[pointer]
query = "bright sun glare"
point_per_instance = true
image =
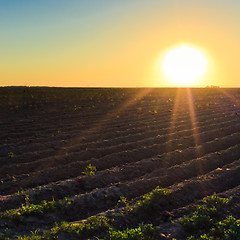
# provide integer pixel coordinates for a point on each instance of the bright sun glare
(184, 65)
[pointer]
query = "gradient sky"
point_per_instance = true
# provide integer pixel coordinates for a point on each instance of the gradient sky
(114, 42)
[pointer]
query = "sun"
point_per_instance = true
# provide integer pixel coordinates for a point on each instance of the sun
(184, 65)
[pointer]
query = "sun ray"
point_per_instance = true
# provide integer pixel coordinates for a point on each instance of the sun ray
(184, 96)
(103, 121)
(192, 114)
(173, 119)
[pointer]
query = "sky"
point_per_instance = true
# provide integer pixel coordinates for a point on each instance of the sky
(115, 43)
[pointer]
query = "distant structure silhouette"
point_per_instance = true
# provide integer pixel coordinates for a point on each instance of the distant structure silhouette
(212, 86)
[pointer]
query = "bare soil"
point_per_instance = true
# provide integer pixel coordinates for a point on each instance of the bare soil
(186, 140)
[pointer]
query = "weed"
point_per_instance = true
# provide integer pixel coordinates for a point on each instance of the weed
(14, 179)
(90, 170)
(11, 155)
(203, 177)
(180, 184)
(18, 193)
(27, 200)
(122, 201)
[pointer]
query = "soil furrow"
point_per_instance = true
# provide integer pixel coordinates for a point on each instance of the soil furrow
(179, 131)
(44, 177)
(56, 140)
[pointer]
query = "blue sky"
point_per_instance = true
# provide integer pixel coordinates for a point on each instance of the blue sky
(103, 42)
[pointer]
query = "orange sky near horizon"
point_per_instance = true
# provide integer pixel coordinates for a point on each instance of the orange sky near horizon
(114, 44)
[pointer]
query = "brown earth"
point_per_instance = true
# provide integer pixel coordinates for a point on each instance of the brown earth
(186, 140)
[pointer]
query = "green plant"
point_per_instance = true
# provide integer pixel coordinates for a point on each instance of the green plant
(94, 226)
(14, 179)
(18, 193)
(206, 223)
(90, 227)
(27, 200)
(11, 155)
(150, 201)
(143, 232)
(228, 228)
(28, 208)
(122, 201)
(90, 170)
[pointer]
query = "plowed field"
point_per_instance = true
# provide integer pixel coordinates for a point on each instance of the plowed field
(186, 141)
